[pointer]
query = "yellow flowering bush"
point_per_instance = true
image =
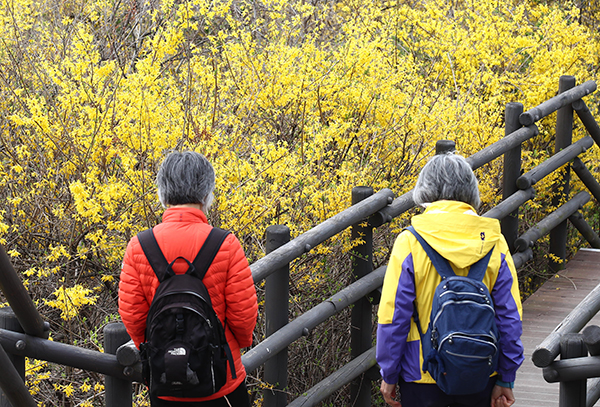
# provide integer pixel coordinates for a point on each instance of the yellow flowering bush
(70, 300)
(293, 102)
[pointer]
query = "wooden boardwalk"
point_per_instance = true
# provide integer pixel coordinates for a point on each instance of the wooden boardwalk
(542, 312)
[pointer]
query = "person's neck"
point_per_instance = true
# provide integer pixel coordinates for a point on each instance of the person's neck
(189, 205)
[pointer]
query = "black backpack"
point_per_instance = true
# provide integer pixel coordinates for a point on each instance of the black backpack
(185, 352)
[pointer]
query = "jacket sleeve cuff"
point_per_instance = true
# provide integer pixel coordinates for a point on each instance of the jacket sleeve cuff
(507, 376)
(389, 379)
(501, 383)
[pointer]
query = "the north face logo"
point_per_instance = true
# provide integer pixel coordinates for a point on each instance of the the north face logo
(177, 352)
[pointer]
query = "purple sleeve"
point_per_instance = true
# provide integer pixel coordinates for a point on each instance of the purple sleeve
(509, 324)
(391, 338)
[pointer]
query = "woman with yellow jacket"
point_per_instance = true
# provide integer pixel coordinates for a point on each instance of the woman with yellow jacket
(448, 189)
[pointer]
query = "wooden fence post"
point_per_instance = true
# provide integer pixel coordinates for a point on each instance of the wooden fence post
(361, 325)
(564, 138)
(573, 393)
(444, 146)
(512, 171)
(591, 338)
(9, 321)
(118, 392)
(14, 375)
(277, 294)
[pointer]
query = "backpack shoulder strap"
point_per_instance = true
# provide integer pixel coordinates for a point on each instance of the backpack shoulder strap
(478, 269)
(442, 266)
(155, 256)
(201, 263)
(209, 250)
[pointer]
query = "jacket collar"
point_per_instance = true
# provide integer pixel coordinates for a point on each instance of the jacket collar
(184, 214)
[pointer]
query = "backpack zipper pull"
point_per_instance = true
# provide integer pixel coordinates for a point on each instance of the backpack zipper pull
(179, 324)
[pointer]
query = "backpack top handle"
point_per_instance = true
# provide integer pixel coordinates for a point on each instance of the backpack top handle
(198, 268)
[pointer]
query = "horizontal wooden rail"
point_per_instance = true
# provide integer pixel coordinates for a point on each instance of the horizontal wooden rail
(521, 258)
(336, 380)
(552, 105)
(544, 227)
(63, 354)
(405, 202)
(317, 235)
(400, 205)
(302, 325)
(495, 150)
(549, 349)
(510, 204)
(553, 163)
(572, 369)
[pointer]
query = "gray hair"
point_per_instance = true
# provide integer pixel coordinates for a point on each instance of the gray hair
(447, 176)
(185, 178)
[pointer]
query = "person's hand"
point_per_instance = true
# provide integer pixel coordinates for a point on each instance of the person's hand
(502, 397)
(389, 394)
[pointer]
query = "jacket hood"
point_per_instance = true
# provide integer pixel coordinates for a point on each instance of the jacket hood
(456, 232)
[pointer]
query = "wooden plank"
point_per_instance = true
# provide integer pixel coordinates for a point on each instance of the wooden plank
(542, 312)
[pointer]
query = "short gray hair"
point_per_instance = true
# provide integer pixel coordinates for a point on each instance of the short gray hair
(185, 178)
(447, 176)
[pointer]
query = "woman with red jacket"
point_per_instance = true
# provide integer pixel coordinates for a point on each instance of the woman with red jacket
(185, 184)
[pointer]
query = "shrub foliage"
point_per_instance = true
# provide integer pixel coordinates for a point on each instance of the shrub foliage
(294, 102)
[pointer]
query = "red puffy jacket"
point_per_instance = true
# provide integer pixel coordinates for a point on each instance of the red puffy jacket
(228, 280)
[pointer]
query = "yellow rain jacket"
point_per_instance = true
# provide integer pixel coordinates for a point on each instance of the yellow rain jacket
(457, 233)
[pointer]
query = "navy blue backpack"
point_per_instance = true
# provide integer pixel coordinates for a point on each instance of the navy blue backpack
(460, 346)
